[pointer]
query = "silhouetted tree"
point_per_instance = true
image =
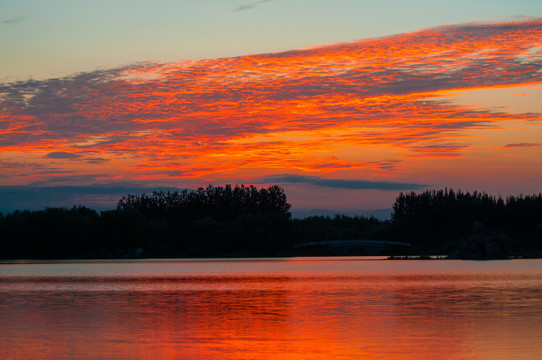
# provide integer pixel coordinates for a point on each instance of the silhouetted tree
(437, 219)
(221, 203)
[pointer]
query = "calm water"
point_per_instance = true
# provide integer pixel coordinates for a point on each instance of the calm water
(325, 308)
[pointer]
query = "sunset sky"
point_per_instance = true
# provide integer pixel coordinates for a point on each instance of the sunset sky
(343, 103)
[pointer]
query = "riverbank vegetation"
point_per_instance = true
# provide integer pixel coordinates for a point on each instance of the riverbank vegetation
(247, 221)
(469, 225)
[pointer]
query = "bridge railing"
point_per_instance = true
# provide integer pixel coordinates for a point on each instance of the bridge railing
(353, 242)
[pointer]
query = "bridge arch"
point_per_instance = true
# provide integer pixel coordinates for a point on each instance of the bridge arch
(361, 247)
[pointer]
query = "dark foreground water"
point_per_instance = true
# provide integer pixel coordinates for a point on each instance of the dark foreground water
(312, 308)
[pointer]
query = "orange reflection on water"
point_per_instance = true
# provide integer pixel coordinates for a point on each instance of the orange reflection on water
(312, 310)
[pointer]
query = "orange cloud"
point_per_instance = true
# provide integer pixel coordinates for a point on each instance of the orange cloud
(324, 110)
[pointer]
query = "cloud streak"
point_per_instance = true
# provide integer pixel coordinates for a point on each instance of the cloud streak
(62, 155)
(251, 5)
(342, 183)
(520, 146)
(13, 21)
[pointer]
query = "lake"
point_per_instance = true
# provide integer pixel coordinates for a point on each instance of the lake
(287, 308)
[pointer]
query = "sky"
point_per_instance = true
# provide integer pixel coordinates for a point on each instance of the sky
(345, 104)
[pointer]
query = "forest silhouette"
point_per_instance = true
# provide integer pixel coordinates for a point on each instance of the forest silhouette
(242, 221)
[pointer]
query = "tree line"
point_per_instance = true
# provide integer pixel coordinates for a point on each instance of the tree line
(218, 221)
(220, 203)
(438, 220)
(211, 221)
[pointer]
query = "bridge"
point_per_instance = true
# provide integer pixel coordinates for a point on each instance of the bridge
(350, 247)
